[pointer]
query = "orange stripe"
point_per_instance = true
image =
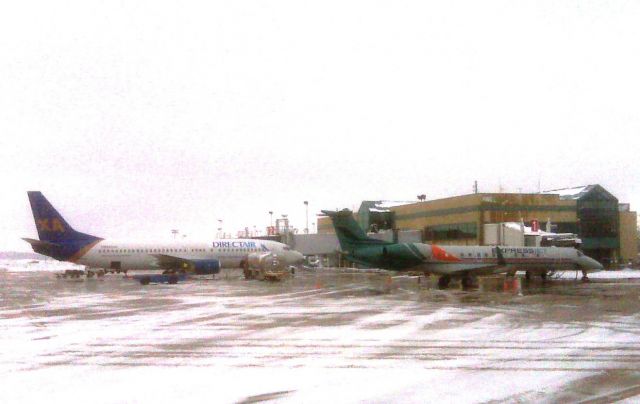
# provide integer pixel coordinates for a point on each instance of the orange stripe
(75, 257)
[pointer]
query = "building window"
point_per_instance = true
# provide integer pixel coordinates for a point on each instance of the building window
(458, 231)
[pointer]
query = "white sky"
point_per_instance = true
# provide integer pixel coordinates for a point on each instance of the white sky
(138, 117)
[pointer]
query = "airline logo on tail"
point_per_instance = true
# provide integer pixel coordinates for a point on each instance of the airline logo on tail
(47, 225)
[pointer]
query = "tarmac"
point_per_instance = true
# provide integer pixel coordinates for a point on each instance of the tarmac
(321, 335)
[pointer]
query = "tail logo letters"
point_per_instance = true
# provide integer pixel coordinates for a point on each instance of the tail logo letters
(53, 225)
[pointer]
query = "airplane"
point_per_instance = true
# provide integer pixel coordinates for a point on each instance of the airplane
(57, 239)
(449, 262)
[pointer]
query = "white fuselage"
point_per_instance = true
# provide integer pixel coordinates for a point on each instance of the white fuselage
(140, 255)
(463, 258)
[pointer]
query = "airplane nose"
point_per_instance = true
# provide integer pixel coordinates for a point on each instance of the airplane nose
(596, 264)
(590, 263)
(295, 258)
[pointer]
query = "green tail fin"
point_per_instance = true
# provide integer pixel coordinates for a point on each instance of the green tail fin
(349, 233)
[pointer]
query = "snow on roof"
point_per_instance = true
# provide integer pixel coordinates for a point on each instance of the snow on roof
(383, 206)
(570, 193)
(529, 232)
(390, 204)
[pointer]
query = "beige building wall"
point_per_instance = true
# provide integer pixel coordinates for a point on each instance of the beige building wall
(324, 225)
(485, 208)
(628, 236)
(499, 208)
(459, 209)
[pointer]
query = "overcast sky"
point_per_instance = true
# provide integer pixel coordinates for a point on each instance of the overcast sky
(137, 117)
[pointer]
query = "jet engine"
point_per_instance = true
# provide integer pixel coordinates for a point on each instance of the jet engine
(205, 267)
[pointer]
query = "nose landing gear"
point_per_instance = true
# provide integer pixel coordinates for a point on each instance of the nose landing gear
(585, 278)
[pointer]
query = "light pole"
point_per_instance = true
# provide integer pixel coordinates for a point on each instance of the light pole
(271, 218)
(306, 208)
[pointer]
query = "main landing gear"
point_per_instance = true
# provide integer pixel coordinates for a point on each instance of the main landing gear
(528, 275)
(468, 281)
(444, 281)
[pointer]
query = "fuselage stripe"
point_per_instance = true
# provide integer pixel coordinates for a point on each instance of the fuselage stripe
(416, 251)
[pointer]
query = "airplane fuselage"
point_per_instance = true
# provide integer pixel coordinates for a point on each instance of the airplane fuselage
(230, 253)
(57, 239)
(445, 260)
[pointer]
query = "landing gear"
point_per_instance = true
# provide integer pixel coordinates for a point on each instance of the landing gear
(245, 270)
(443, 282)
(467, 282)
(528, 275)
(543, 275)
(585, 278)
(145, 280)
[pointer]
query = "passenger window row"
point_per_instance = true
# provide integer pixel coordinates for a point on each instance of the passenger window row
(172, 250)
(479, 255)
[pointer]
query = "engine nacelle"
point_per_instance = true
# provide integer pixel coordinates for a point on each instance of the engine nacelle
(205, 267)
(266, 262)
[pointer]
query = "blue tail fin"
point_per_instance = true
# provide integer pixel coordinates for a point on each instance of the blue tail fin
(57, 238)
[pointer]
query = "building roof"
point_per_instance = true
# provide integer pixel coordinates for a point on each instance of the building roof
(571, 193)
(383, 206)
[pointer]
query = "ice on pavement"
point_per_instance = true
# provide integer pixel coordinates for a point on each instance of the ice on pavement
(315, 338)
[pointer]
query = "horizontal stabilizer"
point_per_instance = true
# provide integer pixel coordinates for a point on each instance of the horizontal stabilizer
(45, 247)
(40, 243)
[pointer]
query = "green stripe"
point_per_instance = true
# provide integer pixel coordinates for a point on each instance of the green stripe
(488, 207)
(416, 251)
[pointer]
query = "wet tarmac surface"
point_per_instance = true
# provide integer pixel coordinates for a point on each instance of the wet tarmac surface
(340, 336)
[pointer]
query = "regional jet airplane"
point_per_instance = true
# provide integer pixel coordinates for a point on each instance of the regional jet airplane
(57, 239)
(452, 261)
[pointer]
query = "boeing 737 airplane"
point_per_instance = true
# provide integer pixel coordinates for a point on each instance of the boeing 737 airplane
(57, 239)
(452, 261)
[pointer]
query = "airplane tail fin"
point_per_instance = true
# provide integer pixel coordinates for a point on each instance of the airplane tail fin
(56, 237)
(349, 233)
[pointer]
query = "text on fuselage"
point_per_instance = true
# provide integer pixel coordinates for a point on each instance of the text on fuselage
(234, 244)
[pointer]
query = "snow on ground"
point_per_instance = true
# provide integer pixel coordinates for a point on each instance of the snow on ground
(626, 273)
(315, 338)
(31, 265)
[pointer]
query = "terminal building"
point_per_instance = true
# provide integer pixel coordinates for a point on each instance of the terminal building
(607, 229)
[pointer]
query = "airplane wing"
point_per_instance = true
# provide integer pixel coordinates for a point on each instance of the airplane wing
(461, 269)
(164, 261)
(171, 262)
